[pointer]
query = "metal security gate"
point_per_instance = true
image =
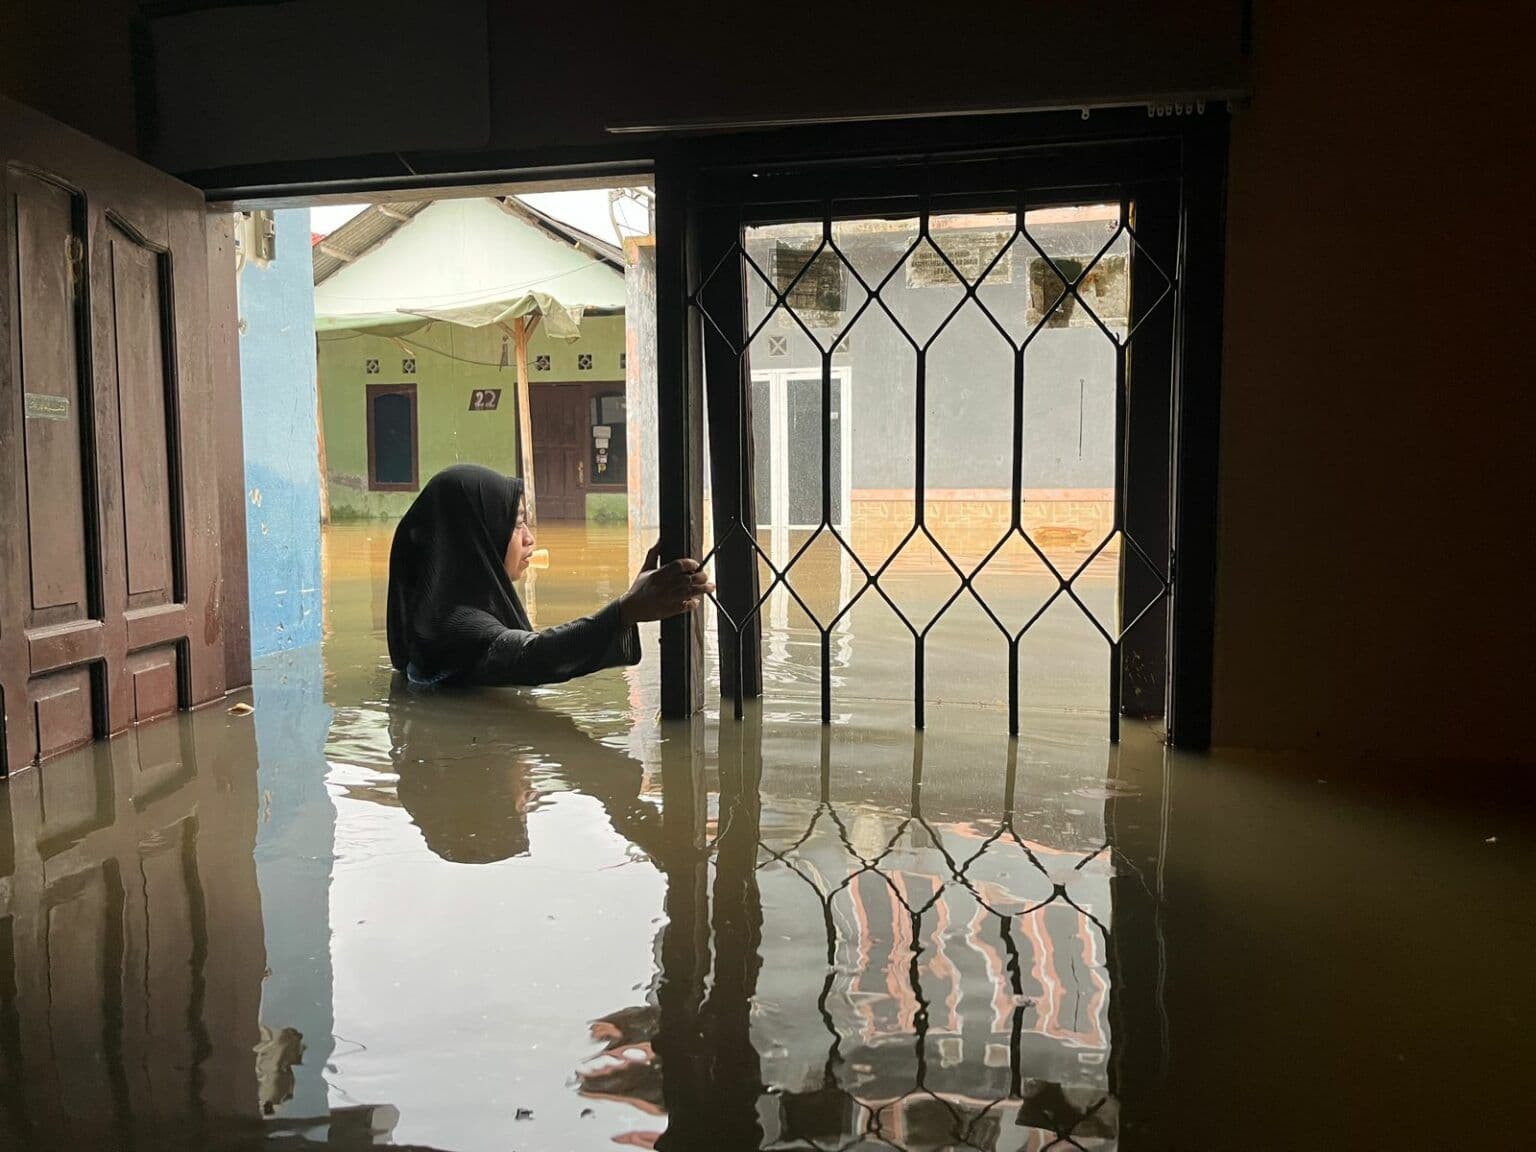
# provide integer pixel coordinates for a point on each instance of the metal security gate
(1155, 258)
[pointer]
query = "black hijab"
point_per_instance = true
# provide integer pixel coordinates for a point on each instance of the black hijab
(449, 593)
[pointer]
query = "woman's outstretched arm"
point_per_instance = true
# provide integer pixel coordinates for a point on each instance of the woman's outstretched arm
(606, 639)
(555, 655)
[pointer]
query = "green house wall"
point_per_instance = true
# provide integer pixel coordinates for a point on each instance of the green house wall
(452, 362)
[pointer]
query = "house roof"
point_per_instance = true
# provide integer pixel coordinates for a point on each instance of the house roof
(610, 254)
(474, 261)
(360, 235)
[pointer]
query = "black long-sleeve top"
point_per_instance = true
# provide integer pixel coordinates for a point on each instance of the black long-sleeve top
(555, 655)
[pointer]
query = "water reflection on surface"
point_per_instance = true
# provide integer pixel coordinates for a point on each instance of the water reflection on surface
(538, 920)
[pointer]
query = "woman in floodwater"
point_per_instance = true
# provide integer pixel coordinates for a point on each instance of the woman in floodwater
(454, 617)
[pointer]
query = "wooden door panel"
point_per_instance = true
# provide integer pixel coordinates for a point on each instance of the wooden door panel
(549, 477)
(559, 426)
(115, 500)
(156, 681)
(157, 625)
(64, 710)
(140, 276)
(48, 248)
(64, 646)
(205, 402)
(570, 464)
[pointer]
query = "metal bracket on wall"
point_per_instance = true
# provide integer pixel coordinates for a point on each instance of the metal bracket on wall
(1194, 106)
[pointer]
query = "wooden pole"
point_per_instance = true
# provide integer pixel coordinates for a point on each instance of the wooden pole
(520, 334)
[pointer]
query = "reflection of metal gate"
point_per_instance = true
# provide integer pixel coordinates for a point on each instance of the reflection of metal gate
(1163, 226)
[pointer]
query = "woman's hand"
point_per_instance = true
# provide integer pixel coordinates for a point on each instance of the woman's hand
(663, 590)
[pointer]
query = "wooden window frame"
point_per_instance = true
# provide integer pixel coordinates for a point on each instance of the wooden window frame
(373, 391)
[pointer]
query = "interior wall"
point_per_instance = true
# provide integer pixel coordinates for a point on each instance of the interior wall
(232, 84)
(73, 59)
(546, 81)
(1377, 406)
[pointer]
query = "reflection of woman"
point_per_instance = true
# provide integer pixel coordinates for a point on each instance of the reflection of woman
(626, 1068)
(276, 1055)
(454, 617)
(463, 769)
(469, 812)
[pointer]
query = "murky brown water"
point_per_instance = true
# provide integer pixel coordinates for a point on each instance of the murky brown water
(463, 923)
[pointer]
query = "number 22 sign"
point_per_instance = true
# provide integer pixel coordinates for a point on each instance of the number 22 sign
(484, 399)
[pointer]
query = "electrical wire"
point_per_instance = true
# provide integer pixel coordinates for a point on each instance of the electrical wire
(414, 347)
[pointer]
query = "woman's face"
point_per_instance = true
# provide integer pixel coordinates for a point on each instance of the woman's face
(520, 547)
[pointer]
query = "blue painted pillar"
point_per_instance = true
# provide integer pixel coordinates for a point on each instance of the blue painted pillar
(282, 474)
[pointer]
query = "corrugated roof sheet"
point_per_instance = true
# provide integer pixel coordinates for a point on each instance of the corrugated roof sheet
(361, 234)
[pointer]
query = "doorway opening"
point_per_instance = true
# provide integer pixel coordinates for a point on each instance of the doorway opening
(919, 466)
(580, 450)
(510, 326)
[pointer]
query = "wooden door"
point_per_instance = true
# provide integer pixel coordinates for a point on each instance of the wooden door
(116, 383)
(560, 434)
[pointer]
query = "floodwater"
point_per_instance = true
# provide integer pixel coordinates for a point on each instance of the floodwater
(527, 920)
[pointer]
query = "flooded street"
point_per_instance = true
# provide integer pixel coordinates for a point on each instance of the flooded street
(539, 920)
